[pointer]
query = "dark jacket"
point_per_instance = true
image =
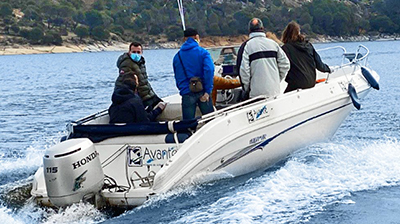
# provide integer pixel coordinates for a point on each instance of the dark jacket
(197, 62)
(127, 107)
(127, 66)
(303, 62)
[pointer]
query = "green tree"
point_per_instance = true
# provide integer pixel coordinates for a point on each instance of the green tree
(52, 38)
(98, 5)
(32, 13)
(174, 32)
(93, 18)
(118, 29)
(15, 28)
(24, 33)
(383, 24)
(82, 32)
(99, 33)
(5, 10)
(35, 35)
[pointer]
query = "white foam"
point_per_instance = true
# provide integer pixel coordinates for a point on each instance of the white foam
(6, 216)
(33, 156)
(76, 213)
(310, 180)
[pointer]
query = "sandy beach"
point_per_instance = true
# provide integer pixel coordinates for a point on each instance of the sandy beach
(67, 48)
(207, 42)
(113, 46)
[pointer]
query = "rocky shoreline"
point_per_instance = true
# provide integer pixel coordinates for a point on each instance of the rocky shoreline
(208, 42)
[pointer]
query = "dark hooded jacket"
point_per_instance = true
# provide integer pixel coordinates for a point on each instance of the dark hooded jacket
(127, 107)
(128, 67)
(303, 62)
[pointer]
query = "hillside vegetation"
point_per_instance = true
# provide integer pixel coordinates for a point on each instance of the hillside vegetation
(52, 22)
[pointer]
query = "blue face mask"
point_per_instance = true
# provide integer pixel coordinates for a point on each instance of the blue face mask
(136, 57)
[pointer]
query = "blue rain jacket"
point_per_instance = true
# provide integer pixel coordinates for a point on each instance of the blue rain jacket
(197, 62)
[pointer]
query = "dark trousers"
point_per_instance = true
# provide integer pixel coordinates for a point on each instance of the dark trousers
(191, 101)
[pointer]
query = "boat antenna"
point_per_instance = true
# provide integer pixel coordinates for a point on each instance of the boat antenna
(181, 13)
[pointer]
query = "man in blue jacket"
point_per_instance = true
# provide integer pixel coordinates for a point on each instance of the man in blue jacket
(194, 61)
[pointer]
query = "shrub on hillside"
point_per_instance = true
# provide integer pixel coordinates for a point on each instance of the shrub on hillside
(5, 10)
(52, 38)
(82, 32)
(35, 35)
(99, 33)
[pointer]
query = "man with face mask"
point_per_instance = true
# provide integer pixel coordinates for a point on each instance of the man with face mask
(133, 63)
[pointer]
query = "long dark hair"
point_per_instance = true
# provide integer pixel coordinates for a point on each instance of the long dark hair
(292, 33)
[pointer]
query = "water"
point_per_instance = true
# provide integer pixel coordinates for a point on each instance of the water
(354, 178)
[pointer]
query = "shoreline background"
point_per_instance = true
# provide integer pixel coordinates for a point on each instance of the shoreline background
(207, 42)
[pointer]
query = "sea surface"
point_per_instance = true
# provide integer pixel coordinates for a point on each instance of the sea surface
(352, 178)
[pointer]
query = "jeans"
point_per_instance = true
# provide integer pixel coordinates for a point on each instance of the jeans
(191, 101)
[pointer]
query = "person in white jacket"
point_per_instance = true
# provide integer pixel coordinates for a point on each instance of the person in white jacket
(261, 63)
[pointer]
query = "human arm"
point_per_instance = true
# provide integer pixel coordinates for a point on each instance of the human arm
(181, 81)
(319, 64)
(283, 63)
(208, 72)
(243, 67)
(152, 115)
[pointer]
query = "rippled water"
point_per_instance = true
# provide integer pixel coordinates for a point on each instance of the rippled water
(349, 179)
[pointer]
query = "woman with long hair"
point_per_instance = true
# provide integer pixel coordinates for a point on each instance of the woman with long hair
(303, 59)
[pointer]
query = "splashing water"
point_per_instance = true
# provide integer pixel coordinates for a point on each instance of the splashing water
(310, 179)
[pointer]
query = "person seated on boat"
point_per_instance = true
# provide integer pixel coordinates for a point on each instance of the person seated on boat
(127, 106)
(133, 63)
(227, 56)
(261, 63)
(194, 73)
(303, 59)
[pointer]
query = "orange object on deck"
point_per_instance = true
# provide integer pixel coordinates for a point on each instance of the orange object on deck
(320, 80)
(223, 83)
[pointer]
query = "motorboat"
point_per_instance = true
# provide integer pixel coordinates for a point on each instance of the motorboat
(123, 165)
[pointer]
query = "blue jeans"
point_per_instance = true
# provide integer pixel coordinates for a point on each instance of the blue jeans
(191, 101)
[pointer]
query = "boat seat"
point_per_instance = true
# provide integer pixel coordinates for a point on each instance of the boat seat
(100, 132)
(146, 139)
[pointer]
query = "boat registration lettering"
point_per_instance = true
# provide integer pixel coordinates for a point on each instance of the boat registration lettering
(254, 115)
(257, 139)
(147, 156)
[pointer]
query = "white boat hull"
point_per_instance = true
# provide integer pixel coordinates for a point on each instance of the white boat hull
(229, 142)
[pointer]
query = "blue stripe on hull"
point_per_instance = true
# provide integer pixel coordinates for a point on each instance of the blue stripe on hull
(260, 146)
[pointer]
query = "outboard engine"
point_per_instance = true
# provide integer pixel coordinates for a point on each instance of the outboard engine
(72, 171)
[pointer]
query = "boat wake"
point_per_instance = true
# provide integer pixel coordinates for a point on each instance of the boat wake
(311, 179)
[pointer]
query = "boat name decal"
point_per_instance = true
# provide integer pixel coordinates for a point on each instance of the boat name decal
(137, 156)
(257, 139)
(85, 160)
(254, 115)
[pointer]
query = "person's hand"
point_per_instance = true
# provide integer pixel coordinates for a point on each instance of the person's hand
(161, 105)
(205, 97)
